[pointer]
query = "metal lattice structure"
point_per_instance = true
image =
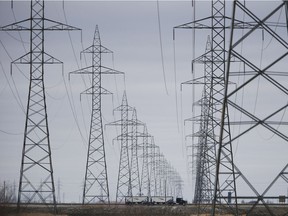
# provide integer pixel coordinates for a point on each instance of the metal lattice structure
(36, 175)
(224, 182)
(152, 167)
(96, 179)
(124, 186)
(205, 151)
(158, 177)
(270, 73)
(130, 182)
(225, 171)
(145, 184)
(134, 148)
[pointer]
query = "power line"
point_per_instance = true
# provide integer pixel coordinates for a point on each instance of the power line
(12, 60)
(175, 85)
(17, 96)
(20, 36)
(71, 104)
(10, 133)
(161, 47)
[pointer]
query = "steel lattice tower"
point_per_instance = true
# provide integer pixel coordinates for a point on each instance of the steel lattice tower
(36, 174)
(145, 177)
(124, 187)
(96, 180)
(225, 178)
(135, 177)
(140, 152)
(273, 74)
(129, 182)
(225, 170)
(216, 96)
(205, 148)
(158, 173)
(152, 167)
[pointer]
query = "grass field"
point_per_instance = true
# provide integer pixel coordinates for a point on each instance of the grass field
(134, 210)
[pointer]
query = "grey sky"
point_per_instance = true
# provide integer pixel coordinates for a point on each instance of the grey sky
(131, 30)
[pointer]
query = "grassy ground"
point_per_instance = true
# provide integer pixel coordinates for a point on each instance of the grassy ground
(124, 210)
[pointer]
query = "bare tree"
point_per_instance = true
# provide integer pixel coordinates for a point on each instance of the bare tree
(7, 192)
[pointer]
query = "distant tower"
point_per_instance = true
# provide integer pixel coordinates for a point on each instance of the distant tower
(205, 148)
(96, 179)
(145, 177)
(152, 149)
(36, 174)
(135, 176)
(223, 181)
(124, 187)
(158, 172)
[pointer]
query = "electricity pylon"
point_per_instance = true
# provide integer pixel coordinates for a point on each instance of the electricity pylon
(270, 73)
(140, 181)
(124, 186)
(205, 148)
(135, 175)
(157, 169)
(152, 167)
(129, 182)
(36, 174)
(226, 171)
(96, 179)
(145, 177)
(216, 96)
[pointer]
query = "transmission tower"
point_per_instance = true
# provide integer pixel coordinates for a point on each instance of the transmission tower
(161, 171)
(216, 95)
(129, 181)
(140, 151)
(96, 180)
(152, 167)
(225, 170)
(205, 147)
(270, 73)
(178, 185)
(145, 177)
(36, 174)
(135, 176)
(157, 171)
(124, 186)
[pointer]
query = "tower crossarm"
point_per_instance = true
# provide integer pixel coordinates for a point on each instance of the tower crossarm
(238, 24)
(49, 25)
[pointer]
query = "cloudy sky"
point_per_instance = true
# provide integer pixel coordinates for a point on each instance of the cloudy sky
(131, 30)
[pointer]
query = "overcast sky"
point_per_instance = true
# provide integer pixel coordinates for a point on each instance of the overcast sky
(131, 30)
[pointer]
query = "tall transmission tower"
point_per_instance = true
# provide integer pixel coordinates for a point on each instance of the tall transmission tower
(96, 179)
(216, 94)
(36, 174)
(145, 175)
(268, 73)
(226, 172)
(205, 147)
